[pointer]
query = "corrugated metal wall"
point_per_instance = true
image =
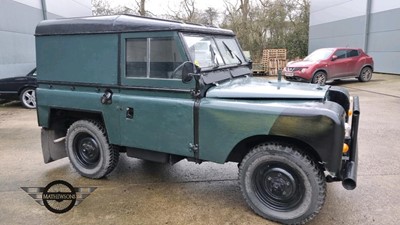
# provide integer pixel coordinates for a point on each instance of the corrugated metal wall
(368, 24)
(18, 20)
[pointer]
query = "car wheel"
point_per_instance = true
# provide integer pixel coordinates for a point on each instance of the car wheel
(281, 184)
(89, 151)
(319, 78)
(28, 98)
(365, 75)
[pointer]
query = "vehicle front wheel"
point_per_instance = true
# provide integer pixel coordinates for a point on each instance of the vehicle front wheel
(281, 184)
(89, 151)
(319, 78)
(365, 74)
(28, 98)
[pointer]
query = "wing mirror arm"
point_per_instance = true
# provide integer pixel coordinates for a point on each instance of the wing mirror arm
(190, 70)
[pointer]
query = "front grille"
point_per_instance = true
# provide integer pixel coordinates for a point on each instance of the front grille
(292, 69)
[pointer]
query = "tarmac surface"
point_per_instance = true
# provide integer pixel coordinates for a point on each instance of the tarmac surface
(141, 192)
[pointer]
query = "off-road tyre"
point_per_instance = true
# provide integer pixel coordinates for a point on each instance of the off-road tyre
(282, 184)
(88, 149)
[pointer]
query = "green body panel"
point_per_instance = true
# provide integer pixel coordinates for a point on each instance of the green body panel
(226, 122)
(162, 123)
(78, 58)
(84, 99)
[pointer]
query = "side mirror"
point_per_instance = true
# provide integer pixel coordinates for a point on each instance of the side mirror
(334, 57)
(250, 63)
(188, 70)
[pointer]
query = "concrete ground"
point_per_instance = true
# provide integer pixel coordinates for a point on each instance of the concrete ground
(140, 192)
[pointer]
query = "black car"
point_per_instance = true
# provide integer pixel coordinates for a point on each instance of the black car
(20, 88)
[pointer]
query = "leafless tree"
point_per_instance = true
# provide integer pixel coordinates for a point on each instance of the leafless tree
(258, 24)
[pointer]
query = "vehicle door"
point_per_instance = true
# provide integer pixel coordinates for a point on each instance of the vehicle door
(353, 58)
(156, 107)
(339, 64)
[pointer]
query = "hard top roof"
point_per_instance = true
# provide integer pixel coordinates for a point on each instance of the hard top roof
(120, 24)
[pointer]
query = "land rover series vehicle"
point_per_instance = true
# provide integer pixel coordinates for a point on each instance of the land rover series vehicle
(165, 91)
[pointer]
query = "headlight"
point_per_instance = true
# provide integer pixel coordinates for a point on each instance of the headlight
(304, 70)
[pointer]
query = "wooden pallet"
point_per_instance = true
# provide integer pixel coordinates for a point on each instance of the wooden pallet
(272, 61)
(274, 65)
(269, 54)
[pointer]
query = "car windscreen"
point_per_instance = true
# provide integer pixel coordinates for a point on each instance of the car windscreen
(208, 51)
(320, 54)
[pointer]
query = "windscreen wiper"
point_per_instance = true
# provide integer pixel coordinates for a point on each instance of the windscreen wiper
(213, 58)
(233, 54)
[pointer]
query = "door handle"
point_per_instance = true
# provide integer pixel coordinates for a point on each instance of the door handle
(129, 113)
(106, 99)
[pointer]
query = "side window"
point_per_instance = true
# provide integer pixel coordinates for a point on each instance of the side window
(352, 53)
(136, 58)
(341, 54)
(152, 58)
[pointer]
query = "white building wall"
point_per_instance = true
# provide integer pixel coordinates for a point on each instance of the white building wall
(349, 23)
(18, 20)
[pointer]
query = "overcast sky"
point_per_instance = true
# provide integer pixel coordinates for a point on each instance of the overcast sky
(159, 7)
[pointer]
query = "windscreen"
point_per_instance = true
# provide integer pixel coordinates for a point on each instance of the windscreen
(208, 51)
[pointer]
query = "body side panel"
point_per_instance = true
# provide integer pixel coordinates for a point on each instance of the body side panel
(226, 122)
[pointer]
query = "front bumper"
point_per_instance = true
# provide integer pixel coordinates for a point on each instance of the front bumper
(296, 79)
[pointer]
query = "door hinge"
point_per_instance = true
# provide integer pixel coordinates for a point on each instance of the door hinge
(194, 148)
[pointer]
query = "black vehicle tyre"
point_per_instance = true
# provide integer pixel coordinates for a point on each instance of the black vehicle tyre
(319, 78)
(28, 98)
(365, 74)
(88, 149)
(281, 184)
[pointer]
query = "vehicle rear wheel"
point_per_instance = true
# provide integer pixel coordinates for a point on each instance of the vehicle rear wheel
(281, 184)
(28, 98)
(89, 151)
(365, 74)
(319, 78)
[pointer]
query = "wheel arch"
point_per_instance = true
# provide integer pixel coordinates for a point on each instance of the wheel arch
(51, 150)
(245, 146)
(25, 87)
(364, 66)
(63, 118)
(320, 70)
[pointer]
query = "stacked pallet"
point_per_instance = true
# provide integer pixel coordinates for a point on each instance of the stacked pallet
(273, 60)
(258, 69)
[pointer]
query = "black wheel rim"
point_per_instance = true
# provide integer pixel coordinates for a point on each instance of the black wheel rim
(86, 150)
(278, 186)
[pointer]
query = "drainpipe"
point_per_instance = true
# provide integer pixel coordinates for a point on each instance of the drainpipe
(367, 25)
(44, 9)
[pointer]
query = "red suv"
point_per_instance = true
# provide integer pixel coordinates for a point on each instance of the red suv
(330, 64)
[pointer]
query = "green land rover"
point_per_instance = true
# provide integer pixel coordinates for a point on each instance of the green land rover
(165, 91)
